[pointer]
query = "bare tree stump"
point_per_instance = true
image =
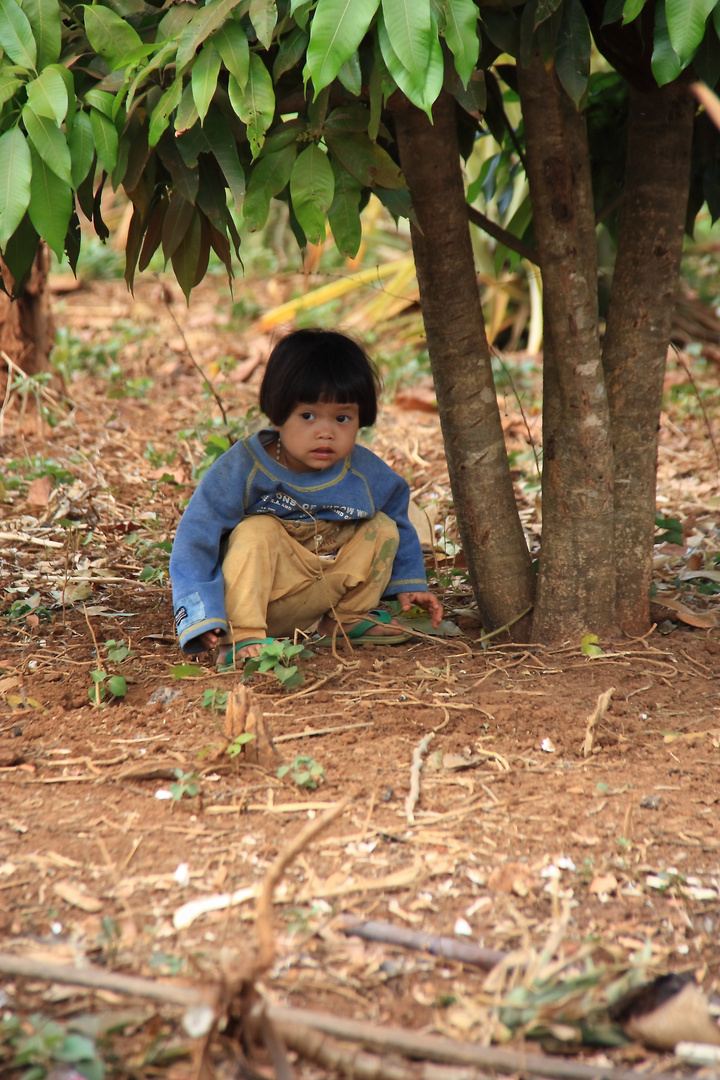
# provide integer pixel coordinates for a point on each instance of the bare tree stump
(244, 716)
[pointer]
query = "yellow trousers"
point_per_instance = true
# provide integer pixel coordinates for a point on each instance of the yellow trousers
(275, 584)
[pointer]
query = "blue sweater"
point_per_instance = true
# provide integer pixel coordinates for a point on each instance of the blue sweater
(247, 481)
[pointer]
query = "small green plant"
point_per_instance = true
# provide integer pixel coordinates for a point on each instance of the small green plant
(166, 963)
(235, 747)
(108, 939)
(186, 783)
(215, 700)
(277, 657)
(103, 683)
(157, 458)
(20, 609)
(304, 771)
(40, 1044)
(671, 530)
(118, 651)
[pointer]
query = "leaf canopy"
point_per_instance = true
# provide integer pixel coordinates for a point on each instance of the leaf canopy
(204, 113)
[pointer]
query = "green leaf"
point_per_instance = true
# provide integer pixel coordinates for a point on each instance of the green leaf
(234, 50)
(110, 36)
(365, 160)
(176, 223)
(201, 25)
(686, 25)
(74, 1048)
(572, 51)
(255, 104)
(589, 646)
(161, 57)
(269, 176)
(411, 32)
(292, 49)
(48, 96)
(461, 35)
(344, 214)
(186, 258)
(632, 9)
(187, 114)
(9, 85)
(312, 187)
(49, 141)
(51, 204)
(100, 100)
(105, 137)
(224, 148)
(338, 27)
(161, 113)
(613, 11)
(82, 148)
(544, 9)
(665, 63)
(204, 78)
(420, 87)
(19, 253)
(16, 36)
(44, 18)
(117, 686)
(350, 74)
(187, 671)
(263, 16)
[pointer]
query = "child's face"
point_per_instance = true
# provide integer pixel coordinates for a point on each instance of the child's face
(316, 436)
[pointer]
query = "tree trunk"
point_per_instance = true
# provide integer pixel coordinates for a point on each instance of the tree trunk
(657, 178)
(576, 586)
(27, 331)
(498, 559)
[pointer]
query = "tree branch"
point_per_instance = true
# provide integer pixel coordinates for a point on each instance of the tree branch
(502, 235)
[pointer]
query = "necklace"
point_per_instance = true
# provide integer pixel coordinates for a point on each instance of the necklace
(278, 448)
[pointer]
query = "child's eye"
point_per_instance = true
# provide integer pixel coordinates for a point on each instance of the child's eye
(307, 416)
(342, 418)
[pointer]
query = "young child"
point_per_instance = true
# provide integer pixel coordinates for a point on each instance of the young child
(296, 523)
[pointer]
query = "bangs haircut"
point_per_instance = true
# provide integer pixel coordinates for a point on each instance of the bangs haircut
(314, 365)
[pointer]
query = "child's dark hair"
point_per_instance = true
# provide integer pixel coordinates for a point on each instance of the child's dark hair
(310, 365)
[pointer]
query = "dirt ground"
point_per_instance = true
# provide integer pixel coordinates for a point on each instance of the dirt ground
(516, 832)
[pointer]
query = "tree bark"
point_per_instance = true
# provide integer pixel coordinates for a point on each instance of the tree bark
(576, 586)
(27, 330)
(639, 321)
(498, 559)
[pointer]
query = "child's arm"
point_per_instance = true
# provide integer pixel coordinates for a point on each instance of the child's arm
(215, 509)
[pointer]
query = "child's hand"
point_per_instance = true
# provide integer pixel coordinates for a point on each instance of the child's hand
(210, 638)
(425, 600)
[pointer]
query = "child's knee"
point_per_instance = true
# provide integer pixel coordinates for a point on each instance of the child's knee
(388, 537)
(259, 528)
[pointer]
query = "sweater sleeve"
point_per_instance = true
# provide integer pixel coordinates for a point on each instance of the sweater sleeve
(408, 572)
(215, 508)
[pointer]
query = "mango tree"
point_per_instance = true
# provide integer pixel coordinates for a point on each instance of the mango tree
(204, 113)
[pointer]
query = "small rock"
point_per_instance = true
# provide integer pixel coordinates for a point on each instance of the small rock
(650, 802)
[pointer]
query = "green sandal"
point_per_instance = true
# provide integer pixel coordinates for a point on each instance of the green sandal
(359, 634)
(232, 662)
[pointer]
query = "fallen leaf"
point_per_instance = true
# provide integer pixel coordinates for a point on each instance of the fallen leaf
(603, 884)
(704, 620)
(40, 491)
(511, 878)
(76, 897)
